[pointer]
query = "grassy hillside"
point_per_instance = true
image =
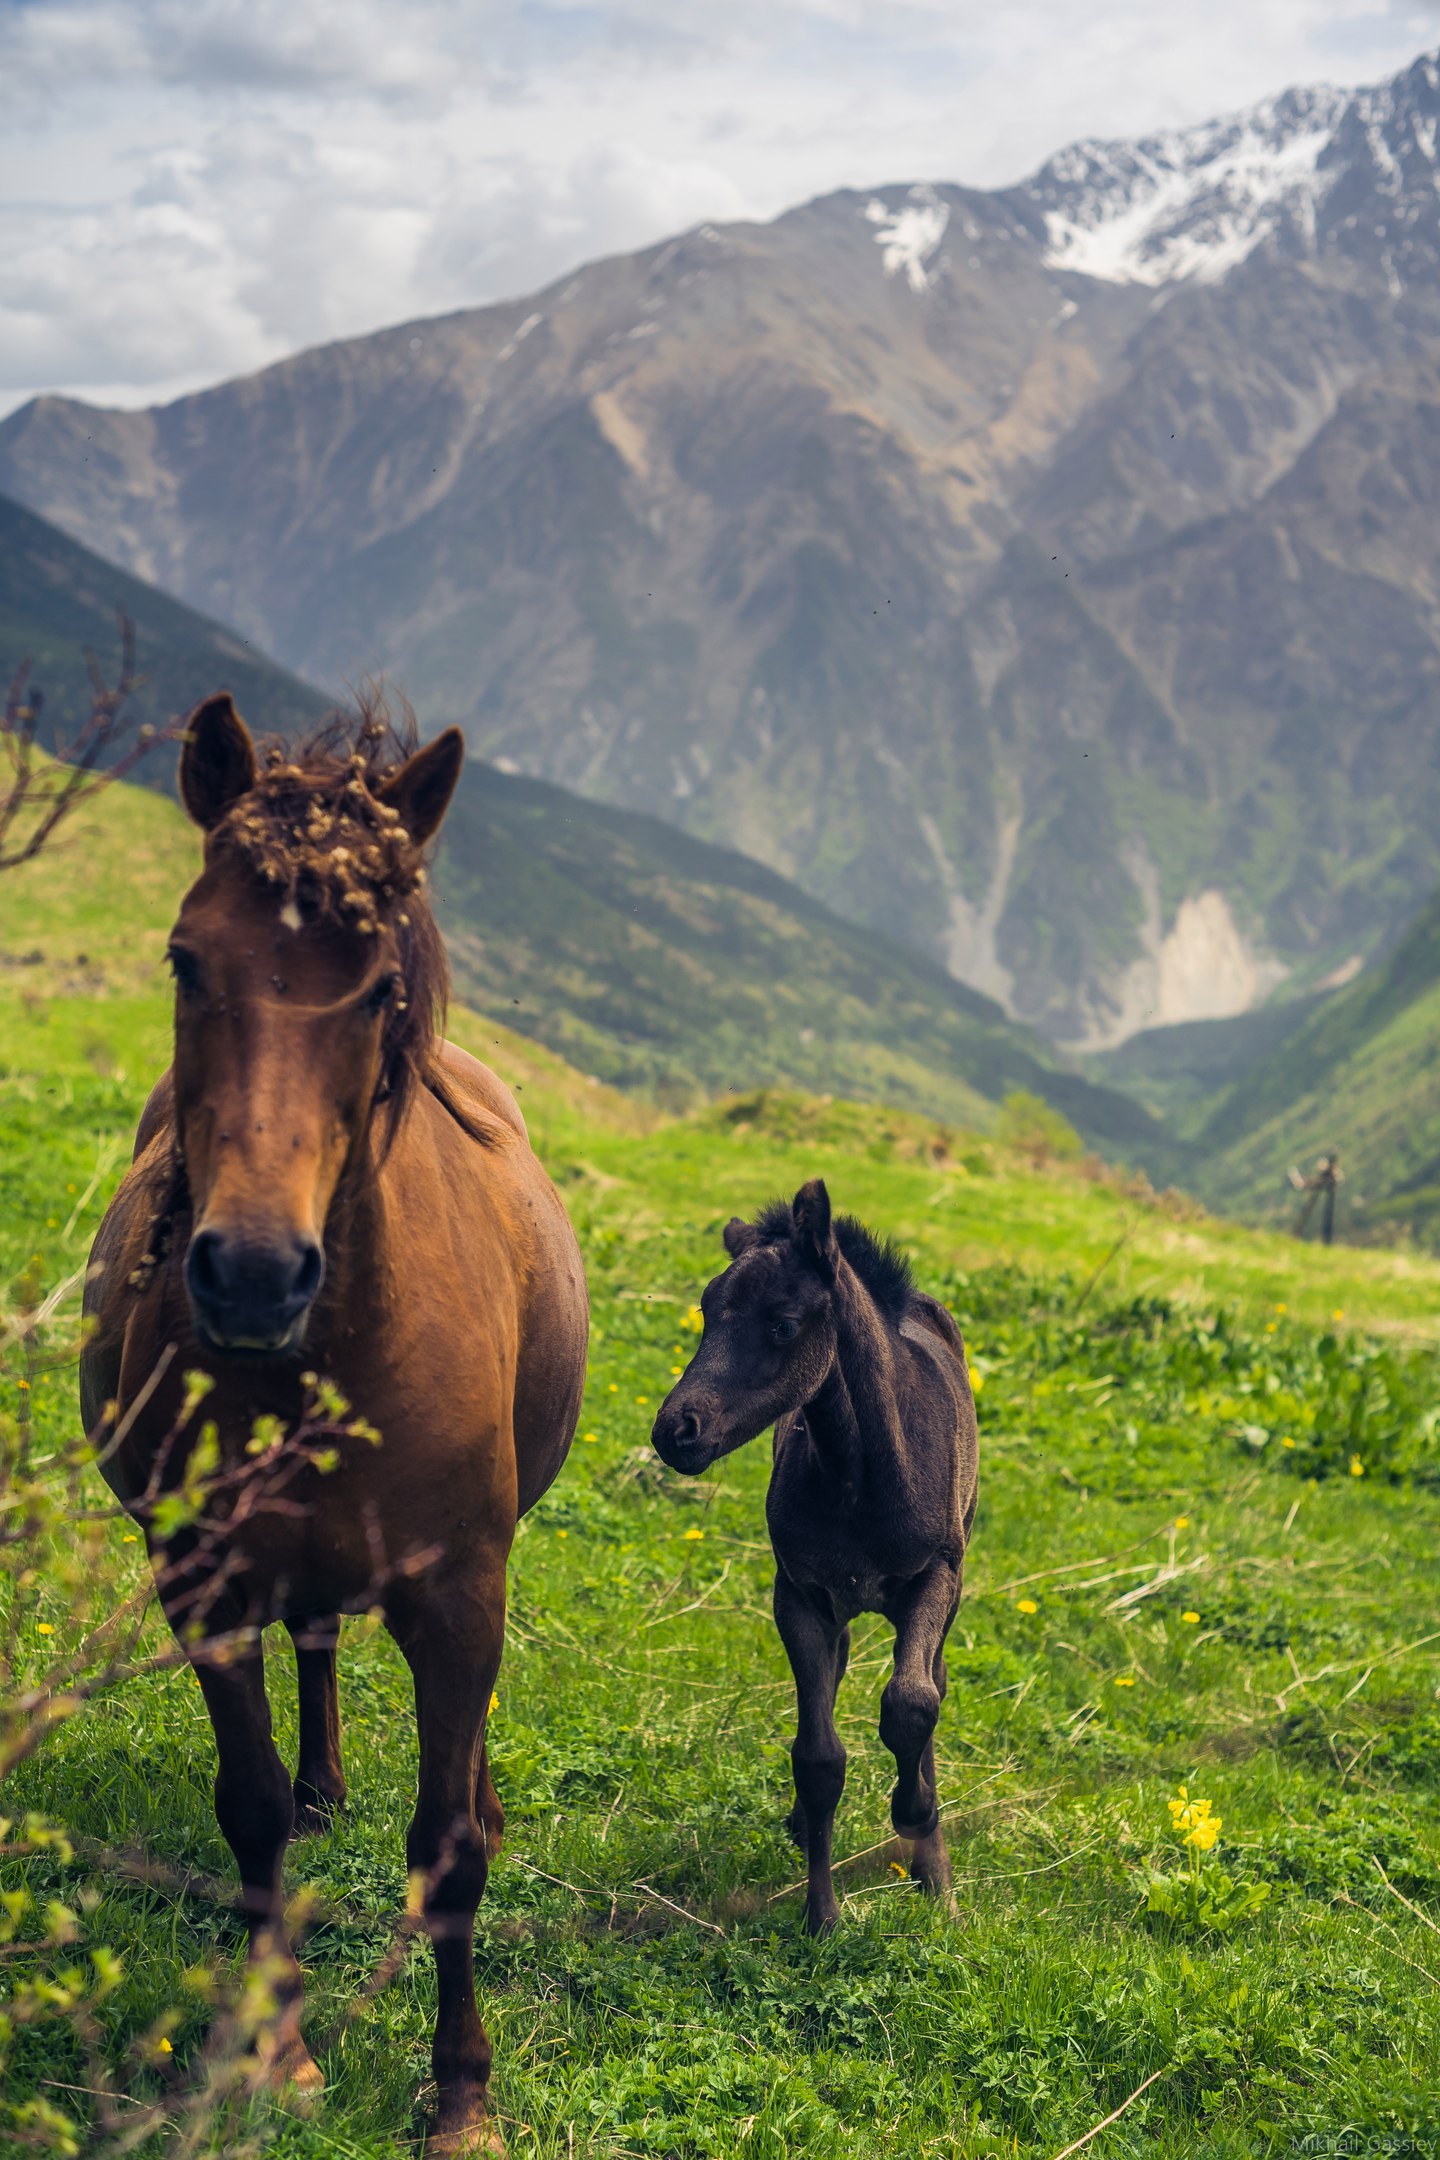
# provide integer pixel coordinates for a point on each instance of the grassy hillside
(1362, 1073)
(1204, 1555)
(57, 599)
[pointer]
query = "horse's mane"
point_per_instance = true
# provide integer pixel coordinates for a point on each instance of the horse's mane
(314, 830)
(881, 1266)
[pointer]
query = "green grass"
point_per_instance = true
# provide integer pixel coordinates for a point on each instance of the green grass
(1141, 1365)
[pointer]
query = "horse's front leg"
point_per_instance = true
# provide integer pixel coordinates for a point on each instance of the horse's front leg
(909, 1712)
(817, 1646)
(319, 1774)
(255, 1810)
(452, 1633)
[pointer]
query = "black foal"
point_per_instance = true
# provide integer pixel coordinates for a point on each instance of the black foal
(817, 1328)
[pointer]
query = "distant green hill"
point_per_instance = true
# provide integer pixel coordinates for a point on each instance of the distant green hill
(645, 957)
(1361, 1073)
(657, 961)
(57, 599)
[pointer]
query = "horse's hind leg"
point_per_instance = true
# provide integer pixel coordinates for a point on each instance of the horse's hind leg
(254, 1808)
(452, 1638)
(816, 1646)
(909, 1712)
(319, 1774)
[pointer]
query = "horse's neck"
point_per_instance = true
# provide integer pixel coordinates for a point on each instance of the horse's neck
(855, 1418)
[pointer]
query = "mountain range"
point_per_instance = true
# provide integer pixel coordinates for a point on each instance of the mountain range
(1047, 579)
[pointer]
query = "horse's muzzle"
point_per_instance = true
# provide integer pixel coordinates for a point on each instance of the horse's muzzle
(679, 1438)
(252, 1298)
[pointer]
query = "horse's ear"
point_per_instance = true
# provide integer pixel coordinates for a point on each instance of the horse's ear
(217, 764)
(738, 1236)
(419, 791)
(814, 1233)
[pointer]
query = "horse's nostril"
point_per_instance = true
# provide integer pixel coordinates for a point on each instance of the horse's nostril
(309, 1274)
(203, 1265)
(689, 1425)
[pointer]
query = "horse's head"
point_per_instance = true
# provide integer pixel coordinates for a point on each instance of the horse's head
(769, 1335)
(308, 979)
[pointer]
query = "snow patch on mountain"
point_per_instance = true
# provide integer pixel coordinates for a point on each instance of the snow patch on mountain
(908, 236)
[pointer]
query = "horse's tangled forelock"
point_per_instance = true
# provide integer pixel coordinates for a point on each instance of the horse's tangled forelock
(314, 831)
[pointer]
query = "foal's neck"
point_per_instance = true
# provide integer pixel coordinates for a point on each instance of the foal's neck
(854, 1418)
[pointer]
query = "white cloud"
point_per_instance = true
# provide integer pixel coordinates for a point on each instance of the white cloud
(196, 187)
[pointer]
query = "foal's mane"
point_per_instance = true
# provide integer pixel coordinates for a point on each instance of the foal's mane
(313, 829)
(881, 1266)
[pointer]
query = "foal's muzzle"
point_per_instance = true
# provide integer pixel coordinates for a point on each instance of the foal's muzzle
(252, 1296)
(679, 1438)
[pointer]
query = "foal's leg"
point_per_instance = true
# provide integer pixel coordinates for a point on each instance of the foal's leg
(817, 1647)
(255, 1810)
(320, 1774)
(452, 1641)
(488, 1808)
(909, 1712)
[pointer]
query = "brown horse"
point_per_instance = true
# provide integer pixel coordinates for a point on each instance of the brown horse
(321, 1184)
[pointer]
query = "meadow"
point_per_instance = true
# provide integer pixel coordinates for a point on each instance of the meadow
(1204, 1557)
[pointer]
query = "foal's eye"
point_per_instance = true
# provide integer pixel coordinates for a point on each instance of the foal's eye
(186, 970)
(380, 993)
(784, 1330)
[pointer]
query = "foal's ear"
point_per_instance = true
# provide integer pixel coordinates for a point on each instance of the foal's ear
(419, 791)
(738, 1236)
(810, 1212)
(217, 764)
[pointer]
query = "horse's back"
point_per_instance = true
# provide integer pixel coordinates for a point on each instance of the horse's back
(931, 1327)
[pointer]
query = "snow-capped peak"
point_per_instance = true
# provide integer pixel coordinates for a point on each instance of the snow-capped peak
(1196, 201)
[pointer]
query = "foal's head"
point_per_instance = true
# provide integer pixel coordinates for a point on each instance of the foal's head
(770, 1325)
(309, 986)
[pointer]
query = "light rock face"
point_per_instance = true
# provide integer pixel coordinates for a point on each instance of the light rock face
(1051, 578)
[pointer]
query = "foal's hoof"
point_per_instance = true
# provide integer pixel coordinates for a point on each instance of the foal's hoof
(315, 1811)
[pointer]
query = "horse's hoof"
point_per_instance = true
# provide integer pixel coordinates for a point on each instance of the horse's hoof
(288, 2066)
(482, 2140)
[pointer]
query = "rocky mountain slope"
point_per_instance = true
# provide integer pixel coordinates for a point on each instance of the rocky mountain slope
(643, 956)
(1047, 578)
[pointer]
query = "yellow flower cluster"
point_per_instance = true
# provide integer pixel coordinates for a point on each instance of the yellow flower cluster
(694, 1320)
(1193, 1821)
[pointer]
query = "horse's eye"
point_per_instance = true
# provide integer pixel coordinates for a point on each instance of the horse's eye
(381, 992)
(186, 970)
(785, 1330)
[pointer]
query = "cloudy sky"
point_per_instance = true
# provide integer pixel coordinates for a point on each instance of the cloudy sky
(191, 188)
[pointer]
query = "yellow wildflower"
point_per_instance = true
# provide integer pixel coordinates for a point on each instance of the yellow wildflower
(590, 1436)
(130, 1538)
(1182, 1522)
(675, 1371)
(1191, 1619)
(644, 1401)
(164, 2046)
(562, 1533)
(1282, 1308)
(977, 1379)
(614, 1387)
(692, 1533)
(1026, 1605)
(1287, 1441)
(1124, 1679)
(1339, 1313)
(1357, 1468)
(494, 1703)
(1194, 1821)
(44, 1628)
